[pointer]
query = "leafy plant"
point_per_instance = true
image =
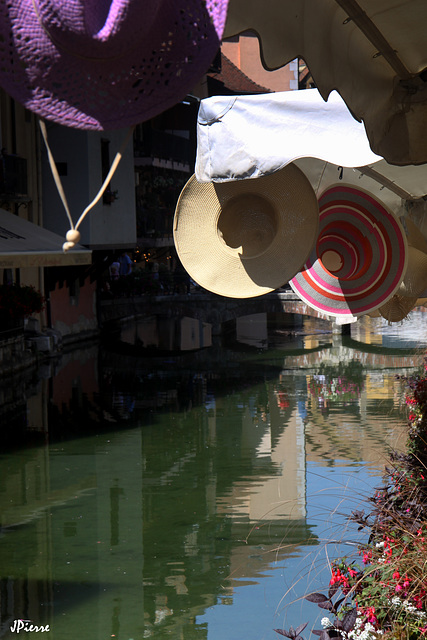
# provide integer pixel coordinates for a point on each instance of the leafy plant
(325, 602)
(294, 634)
(18, 301)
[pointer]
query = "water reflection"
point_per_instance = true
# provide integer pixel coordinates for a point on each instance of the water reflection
(160, 333)
(145, 500)
(409, 334)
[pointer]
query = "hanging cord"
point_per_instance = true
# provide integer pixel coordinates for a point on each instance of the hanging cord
(73, 235)
(319, 182)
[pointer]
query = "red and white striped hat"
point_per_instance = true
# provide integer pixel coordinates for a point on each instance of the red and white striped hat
(360, 255)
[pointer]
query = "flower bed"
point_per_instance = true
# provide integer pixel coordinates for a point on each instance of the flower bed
(384, 593)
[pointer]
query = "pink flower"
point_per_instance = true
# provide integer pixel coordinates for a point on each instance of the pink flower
(370, 615)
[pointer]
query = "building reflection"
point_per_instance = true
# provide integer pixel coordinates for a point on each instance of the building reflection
(165, 334)
(25, 568)
(147, 494)
(406, 334)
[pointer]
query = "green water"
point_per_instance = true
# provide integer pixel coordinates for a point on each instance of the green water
(191, 497)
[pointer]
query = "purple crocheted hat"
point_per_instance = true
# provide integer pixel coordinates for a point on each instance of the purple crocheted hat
(106, 64)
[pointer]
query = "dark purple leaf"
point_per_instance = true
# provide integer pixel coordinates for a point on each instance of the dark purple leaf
(300, 628)
(323, 633)
(338, 603)
(349, 620)
(333, 589)
(283, 632)
(326, 605)
(316, 597)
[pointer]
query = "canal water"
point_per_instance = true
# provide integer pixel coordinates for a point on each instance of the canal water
(196, 495)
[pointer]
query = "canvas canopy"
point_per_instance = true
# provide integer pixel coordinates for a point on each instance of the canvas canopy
(24, 244)
(373, 52)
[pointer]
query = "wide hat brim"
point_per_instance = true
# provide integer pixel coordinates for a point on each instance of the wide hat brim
(360, 255)
(246, 238)
(397, 308)
(93, 65)
(414, 282)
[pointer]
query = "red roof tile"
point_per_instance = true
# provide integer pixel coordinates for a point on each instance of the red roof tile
(234, 80)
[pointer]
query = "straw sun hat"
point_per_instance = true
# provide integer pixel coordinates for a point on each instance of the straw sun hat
(397, 308)
(360, 255)
(413, 288)
(105, 65)
(245, 238)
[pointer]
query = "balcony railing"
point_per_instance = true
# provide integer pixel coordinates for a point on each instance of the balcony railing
(166, 146)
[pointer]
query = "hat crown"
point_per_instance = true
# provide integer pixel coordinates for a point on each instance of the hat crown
(106, 64)
(95, 28)
(248, 224)
(245, 238)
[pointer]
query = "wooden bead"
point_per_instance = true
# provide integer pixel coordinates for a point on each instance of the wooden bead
(73, 235)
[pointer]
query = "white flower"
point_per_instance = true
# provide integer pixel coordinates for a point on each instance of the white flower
(407, 606)
(325, 622)
(363, 631)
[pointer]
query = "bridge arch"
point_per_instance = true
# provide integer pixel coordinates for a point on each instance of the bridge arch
(204, 306)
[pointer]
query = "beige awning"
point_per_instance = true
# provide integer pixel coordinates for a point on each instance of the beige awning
(24, 244)
(373, 52)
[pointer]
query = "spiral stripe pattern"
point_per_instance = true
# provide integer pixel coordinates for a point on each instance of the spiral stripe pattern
(360, 255)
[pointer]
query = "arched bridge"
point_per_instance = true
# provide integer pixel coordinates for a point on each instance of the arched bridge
(204, 306)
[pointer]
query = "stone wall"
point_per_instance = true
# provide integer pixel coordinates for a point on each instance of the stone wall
(14, 355)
